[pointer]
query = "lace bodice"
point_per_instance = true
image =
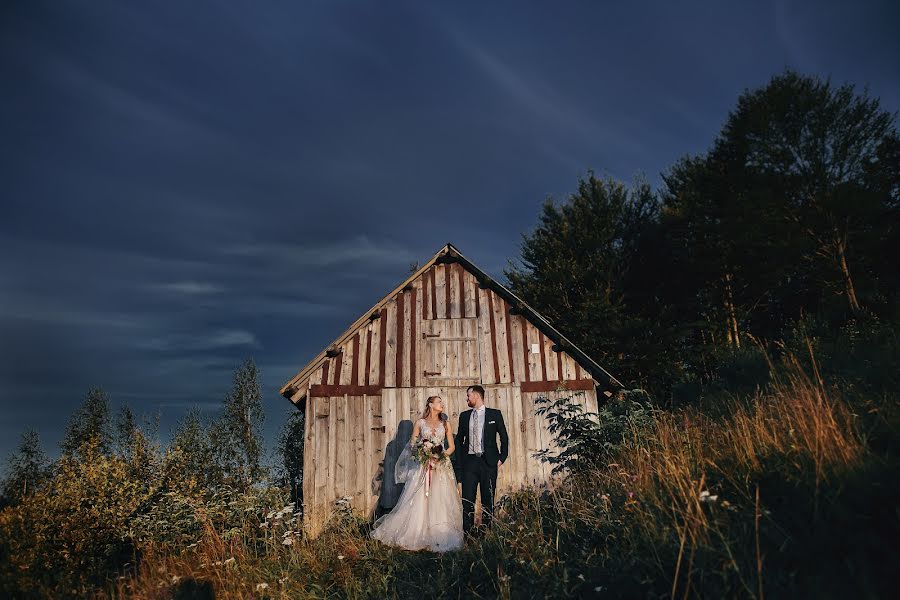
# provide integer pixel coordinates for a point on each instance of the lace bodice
(425, 430)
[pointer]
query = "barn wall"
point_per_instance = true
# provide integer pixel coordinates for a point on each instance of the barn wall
(386, 369)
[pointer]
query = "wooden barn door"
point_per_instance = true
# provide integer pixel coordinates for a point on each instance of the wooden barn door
(451, 352)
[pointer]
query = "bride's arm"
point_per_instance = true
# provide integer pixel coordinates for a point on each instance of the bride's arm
(451, 446)
(415, 433)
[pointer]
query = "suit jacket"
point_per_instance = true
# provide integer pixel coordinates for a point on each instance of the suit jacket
(493, 427)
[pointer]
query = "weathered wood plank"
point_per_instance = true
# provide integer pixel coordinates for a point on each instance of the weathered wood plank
(367, 368)
(455, 294)
(493, 331)
(401, 341)
(415, 339)
(502, 339)
(440, 292)
(390, 360)
(354, 368)
(322, 391)
(448, 302)
(432, 293)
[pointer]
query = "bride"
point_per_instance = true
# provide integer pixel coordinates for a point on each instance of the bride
(428, 514)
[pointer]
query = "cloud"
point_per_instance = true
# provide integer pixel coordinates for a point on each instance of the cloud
(327, 254)
(543, 101)
(190, 288)
(224, 338)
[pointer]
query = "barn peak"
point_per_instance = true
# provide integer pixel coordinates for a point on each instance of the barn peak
(297, 387)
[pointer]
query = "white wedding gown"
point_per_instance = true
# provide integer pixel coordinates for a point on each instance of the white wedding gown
(420, 522)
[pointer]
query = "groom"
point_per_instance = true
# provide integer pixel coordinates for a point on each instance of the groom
(477, 457)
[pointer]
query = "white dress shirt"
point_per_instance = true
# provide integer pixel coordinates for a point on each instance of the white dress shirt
(476, 430)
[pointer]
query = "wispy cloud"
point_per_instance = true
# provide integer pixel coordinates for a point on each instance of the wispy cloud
(326, 254)
(536, 95)
(189, 288)
(203, 341)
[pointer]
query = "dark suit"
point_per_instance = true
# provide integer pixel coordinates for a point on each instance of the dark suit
(475, 471)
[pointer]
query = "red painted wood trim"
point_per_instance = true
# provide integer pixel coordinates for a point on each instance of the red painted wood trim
(433, 293)
(325, 372)
(339, 362)
(324, 391)
(447, 290)
(368, 354)
(412, 339)
(550, 386)
(398, 359)
(490, 296)
(525, 348)
(512, 363)
(543, 358)
(354, 375)
(383, 343)
(462, 290)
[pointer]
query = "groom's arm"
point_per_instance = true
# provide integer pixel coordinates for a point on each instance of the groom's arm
(504, 438)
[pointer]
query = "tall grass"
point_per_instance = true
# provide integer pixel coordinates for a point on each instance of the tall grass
(777, 494)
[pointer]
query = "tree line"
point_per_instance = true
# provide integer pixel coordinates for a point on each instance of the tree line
(786, 227)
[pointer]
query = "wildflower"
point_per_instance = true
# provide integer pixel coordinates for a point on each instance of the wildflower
(706, 497)
(262, 586)
(282, 580)
(287, 541)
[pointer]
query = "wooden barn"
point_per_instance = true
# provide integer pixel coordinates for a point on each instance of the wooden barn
(449, 325)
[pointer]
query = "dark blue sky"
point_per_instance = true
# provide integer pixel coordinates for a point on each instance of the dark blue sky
(185, 184)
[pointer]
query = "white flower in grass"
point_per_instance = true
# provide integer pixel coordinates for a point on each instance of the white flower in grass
(282, 580)
(340, 557)
(262, 586)
(706, 497)
(287, 541)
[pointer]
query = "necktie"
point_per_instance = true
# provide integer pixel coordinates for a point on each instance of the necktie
(477, 439)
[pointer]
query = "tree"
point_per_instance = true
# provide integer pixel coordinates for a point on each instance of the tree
(827, 151)
(576, 270)
(290, 451)
(28, 467)
(190, 457)
(237, 435)
(90, 422)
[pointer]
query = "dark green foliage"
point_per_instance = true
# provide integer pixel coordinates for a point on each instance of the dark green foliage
(28, 468)
(236, 437)
(90, 423)
(290, 453)
(587, 440)
(580, 268)
(190, 455)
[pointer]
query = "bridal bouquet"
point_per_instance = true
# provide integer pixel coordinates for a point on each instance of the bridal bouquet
(429, 452)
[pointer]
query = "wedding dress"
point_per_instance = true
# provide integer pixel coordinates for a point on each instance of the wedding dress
(419, 521)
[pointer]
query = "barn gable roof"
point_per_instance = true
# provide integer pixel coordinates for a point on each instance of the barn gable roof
(449, 254)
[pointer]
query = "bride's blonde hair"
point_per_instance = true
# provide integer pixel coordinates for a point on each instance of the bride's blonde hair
(427, 412)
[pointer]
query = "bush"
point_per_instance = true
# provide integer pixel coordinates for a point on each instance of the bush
(584, 439)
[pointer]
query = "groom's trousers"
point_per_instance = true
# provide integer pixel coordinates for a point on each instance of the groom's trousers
(478, 473)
